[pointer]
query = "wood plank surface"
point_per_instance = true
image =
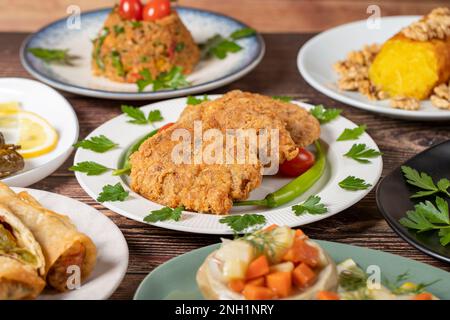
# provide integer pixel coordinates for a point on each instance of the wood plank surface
(264, 15)
(277, 74)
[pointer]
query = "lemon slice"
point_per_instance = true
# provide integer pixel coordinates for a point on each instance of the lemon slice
(36, 135)
(8, 115)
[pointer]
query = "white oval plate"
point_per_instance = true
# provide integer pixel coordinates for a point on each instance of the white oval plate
(208, 74)
(50, 105)
(316, 58)
(137, 207)
(112, 249)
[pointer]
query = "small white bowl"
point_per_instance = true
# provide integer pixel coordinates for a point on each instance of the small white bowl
(49, 104)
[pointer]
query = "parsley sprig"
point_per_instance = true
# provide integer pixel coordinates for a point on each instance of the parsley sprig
(352, 134)
(353, 183)
(99, 144)
(191, 100)
(325, 115)
(113, 193)
(312, 205)
(361, 153)
(91, 168)
(55, 56)
(172, 79)
(165, 214)
(220, 46)
(426, 217)
(283, 98)
(138, 117)
(241, 223)
(423, 181)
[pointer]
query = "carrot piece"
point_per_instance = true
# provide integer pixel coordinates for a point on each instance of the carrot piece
(302, 252)
(327, 295)
(258, 268)
(280, 283)
(423, 296)
(271, 227)
(257, 282)
(257, 293)
(303, 275)
(237, 285)
(300, 234)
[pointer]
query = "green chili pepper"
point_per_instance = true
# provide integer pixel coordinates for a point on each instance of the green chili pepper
(126, 166)
(294, 188)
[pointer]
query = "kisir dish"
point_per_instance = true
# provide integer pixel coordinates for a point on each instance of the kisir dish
(126, 47)
(52, 244)
(212, 188)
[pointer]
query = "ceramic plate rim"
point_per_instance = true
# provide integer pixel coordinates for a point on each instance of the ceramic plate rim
(396, 113)
(64, 154)
(394, 223)
(112, 226)
(87, 182)
(106, 94)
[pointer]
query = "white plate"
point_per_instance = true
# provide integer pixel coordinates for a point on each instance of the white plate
(316, 58)
(112, 249)
(49, 104)
(208, 74)
(136, 207)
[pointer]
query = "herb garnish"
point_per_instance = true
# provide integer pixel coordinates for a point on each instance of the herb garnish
(219, 46)
(352, 183)
(191, 100)
(398, 286)
(136, 24)
(426, 217)
(312, 205)
(117, 63)
(118, 29)
(91, 168)
(179, 46)
(98, 46)
(56, 56)
(173, 79)
(138, 116)
(164, 214)
(361, 153)
(283, 98)
(113, 193)
(239, 223)
(352, 134)
(97, 144)
(425, 182)
(323, 114)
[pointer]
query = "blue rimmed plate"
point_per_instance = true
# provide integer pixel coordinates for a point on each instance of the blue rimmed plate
(209, 74)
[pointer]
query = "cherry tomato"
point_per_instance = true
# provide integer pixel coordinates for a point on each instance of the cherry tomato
(164, 127)
(130, 9)
(156, 9)
(301, 163)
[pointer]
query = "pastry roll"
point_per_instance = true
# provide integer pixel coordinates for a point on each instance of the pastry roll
(21, 260)
(62, 244)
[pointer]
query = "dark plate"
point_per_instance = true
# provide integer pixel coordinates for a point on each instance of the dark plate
(393, 198)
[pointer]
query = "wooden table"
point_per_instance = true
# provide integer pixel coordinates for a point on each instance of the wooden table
(360, 225)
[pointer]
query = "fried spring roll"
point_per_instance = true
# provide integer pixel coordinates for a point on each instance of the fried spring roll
(21, 260)
(62, 244)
